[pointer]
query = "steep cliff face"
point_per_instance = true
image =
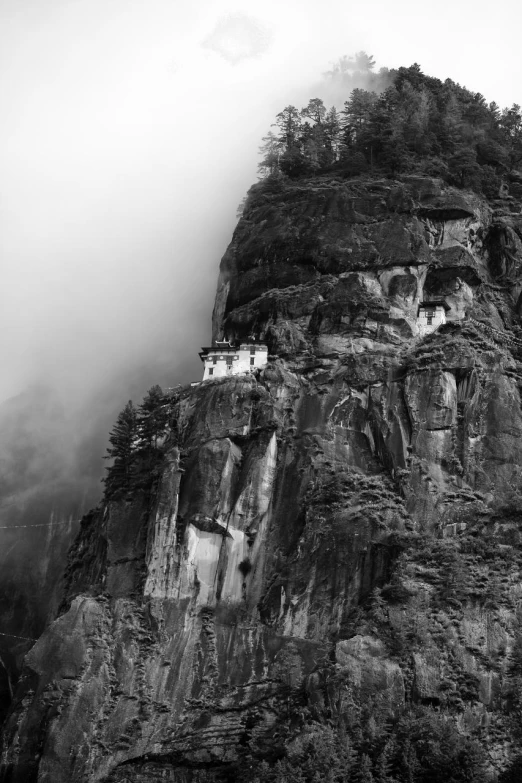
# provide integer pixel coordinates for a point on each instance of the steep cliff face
(334, 538)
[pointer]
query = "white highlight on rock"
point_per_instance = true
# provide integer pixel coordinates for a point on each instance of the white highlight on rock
(205, 567)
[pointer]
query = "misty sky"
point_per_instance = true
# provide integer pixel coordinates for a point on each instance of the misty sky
(129, 134)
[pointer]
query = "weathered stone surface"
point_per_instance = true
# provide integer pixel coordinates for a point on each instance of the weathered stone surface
(426, 672)
(432, 399)
(370, 671)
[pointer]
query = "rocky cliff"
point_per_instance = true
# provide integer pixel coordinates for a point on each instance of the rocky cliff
(331, 544)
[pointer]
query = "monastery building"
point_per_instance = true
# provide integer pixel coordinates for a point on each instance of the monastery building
(223, 358)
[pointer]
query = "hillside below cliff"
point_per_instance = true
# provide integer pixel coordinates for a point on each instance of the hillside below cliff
(314, 566)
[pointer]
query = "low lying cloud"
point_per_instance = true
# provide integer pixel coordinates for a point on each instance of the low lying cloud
(237, 37)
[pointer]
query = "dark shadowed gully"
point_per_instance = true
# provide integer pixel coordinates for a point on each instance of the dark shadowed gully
(313, 568)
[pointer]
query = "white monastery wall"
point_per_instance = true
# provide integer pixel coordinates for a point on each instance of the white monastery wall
(427, 324)
(221, 362)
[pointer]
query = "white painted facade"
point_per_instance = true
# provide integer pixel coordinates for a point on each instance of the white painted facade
(431, 315)
(224, 359)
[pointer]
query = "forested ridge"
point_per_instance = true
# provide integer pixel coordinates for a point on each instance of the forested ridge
(402, 122)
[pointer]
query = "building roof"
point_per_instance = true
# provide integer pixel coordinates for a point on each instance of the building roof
(435, 303)
(220, 348)
(226, 347)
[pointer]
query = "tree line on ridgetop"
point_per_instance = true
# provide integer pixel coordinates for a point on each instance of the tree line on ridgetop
(406, 122)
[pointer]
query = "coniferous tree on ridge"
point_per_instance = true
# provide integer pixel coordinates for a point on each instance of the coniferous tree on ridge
(401, 121)
(152, 416)
(122, 441)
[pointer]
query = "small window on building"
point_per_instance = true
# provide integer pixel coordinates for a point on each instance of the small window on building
(211, 371)
(252, 360)
(214, 359)
(252, 350)
(229, 361)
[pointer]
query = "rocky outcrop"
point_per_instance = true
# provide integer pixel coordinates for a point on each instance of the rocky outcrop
(345, 521)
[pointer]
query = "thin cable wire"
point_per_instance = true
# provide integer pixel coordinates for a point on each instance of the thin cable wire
(25, 638)
(42, 524)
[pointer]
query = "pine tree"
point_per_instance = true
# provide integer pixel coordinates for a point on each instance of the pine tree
(416, 118)
(122, 450)
(395, 155)
(356, 114)
(152, 416)
(364, 62)
(332, 133)
(293, 162)
(271, 151)
(384, 765)
(363, 771)
(315, 111)
(464, 167)
(289, 123)
(494, 110)
(476, 113)
(410, 766)
(264, 774)
(313, 145)
(511, 125)
(285, 772)
(451, 120)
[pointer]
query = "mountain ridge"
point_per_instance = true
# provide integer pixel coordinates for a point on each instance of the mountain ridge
(362, 612)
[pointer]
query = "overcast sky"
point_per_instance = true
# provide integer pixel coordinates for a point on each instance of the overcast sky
(129, 135)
